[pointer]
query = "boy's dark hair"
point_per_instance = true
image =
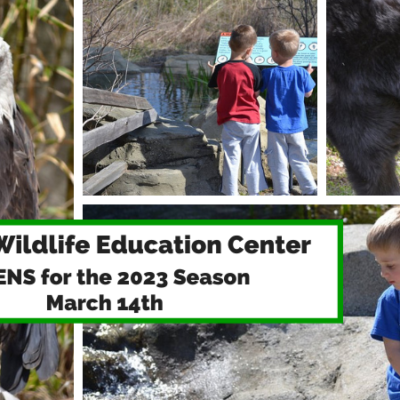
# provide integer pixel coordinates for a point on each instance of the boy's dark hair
(385, 233)
(242, 37)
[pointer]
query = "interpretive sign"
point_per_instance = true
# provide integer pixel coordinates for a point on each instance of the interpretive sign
(262, 53)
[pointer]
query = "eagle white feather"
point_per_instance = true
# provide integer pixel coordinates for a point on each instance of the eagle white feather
(7, 100)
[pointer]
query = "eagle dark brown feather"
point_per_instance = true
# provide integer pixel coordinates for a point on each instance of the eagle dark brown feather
(25, 347)
(21, 181)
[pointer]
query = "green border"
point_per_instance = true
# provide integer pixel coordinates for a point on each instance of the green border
(232, 222)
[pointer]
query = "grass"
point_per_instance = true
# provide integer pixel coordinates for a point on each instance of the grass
(338, 186)
(337, 183)
(195, 83)
(190, 26)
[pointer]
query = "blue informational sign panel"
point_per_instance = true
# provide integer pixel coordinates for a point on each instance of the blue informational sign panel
(261, 54)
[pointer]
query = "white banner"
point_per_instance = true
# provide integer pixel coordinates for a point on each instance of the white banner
(169, 271)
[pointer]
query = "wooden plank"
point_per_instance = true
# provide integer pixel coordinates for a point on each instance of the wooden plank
(106, 98)
(108, 133)
(104, 178)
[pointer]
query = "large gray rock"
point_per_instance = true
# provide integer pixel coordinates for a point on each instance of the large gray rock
(168, 142)
(178, 64)
(164, 158)
(107, 60)
(362, 282)
(252, 362)
(148, 182)
(207, 122)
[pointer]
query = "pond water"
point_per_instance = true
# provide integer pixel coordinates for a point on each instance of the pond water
(178, 102)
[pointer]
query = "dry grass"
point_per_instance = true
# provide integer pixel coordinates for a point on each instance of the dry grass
(165, 27)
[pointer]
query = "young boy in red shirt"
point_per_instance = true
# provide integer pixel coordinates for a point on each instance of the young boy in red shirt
(239, 83)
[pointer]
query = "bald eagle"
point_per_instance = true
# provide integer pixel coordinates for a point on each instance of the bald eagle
(25, 347)
(18, 180)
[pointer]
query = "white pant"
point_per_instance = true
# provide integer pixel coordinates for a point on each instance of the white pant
(238, 138)
(284, 148)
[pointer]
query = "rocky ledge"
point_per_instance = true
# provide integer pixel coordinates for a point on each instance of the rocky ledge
(235, 362)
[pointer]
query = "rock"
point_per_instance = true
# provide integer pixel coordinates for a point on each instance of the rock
(107, 60)
(362, 282)
(148, 182)
(105, 371)
(166, 158)
(258, 362)
(178, 64)
(207, 122)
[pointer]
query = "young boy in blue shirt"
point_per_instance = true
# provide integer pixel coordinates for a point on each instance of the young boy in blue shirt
(384, 242)
(287, 85)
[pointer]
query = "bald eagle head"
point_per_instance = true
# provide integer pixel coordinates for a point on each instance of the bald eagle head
(7, 101)
(18, 179)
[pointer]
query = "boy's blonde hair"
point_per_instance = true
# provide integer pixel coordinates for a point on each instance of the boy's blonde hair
(242, 37)
(286, 42)
(385, 233)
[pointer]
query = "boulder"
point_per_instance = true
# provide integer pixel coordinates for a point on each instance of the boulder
(107, 60)
(164, 158)
(247, 362)
(166, 142)
(178, 64)
(362, 282)
(207, 122)
(148, 182)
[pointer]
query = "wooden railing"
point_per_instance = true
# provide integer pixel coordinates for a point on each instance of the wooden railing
(109, 132)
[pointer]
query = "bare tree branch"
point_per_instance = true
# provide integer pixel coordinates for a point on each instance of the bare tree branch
(300, 14)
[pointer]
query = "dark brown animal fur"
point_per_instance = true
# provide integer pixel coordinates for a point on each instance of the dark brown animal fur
(363, 94)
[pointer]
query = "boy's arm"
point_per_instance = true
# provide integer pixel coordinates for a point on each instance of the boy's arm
(308, 94)
(212, 66)
(392, 348)
(310, 70)
(213, 80)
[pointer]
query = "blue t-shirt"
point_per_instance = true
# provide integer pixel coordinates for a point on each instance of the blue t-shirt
(285, 111)
(387, 324)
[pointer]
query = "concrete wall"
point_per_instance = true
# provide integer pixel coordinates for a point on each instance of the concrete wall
(362, 282)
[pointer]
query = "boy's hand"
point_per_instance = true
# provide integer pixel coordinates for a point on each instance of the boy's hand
(310, 69)
(212, 66)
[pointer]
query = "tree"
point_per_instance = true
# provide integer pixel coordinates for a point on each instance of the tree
(300, 14)
(107, 28)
